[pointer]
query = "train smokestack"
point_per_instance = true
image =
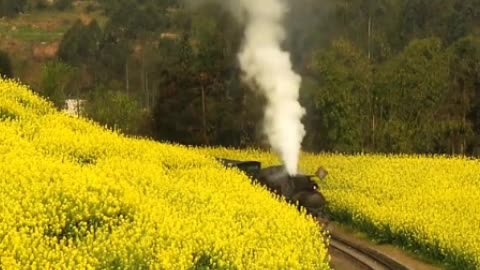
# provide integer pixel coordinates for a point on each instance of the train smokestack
(264, 63)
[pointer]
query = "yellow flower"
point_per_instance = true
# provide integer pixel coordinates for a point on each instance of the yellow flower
(77, 196)
(430, 204)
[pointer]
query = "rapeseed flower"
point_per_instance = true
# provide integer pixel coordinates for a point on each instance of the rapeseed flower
(77, 196)
(429, 205)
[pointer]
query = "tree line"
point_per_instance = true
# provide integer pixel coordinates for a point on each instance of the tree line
(12, 8)
(382, 76)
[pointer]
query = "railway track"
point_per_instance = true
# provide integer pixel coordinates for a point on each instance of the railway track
(346, 255)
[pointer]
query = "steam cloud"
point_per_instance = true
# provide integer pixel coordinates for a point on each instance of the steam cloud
(264, 62)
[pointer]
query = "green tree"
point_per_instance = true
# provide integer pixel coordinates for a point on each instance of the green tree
(463, 102)
(11, 8)
(343, 100)
(33, 5)
(203, 79)
(116, 110)
(175, 91)
(412, 88)
(57, 80)
(316, 133)
(448, 20)
(376, 74)
(63, 4)
(131, 19)
(5, 65)
(130, 24)
(368, 24)
(304, 23)
(80, 43)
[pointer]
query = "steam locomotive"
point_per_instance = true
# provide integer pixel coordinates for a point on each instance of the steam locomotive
(299, 190)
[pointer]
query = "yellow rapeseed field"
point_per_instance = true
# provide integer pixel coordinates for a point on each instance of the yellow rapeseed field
(76, 196)
(430, 205)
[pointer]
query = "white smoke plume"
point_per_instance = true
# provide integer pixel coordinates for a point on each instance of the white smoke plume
(264, 62)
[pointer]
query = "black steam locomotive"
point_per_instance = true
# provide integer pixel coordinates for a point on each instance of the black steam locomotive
(300, 190)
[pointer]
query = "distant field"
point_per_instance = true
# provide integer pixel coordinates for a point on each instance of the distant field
(77, 196)
(428, 205)
(31, 34)
(42, 26)
(38, 32)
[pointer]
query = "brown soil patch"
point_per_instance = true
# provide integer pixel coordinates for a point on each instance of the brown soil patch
(44, 51)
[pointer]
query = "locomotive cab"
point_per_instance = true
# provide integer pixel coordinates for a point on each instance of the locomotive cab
(250, 168)
(300, 190)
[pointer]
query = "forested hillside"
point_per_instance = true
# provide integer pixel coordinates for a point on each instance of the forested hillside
(378, 75)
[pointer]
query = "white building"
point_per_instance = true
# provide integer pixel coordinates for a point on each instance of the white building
(75, 107)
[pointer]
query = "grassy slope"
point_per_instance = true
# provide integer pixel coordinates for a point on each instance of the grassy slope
(18, 36)
(77, 196)
(44, 25)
